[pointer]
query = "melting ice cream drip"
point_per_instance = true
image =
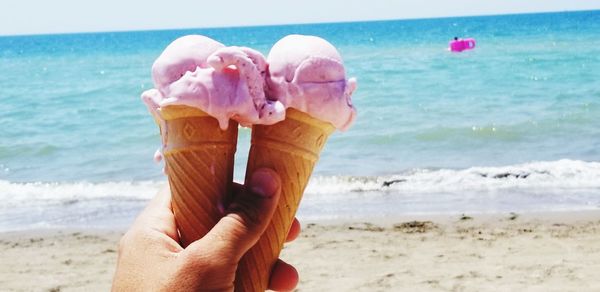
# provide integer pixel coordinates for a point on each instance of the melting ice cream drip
(152, 99)
(158, 156)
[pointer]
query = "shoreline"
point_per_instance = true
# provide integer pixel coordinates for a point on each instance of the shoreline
(566, 216)
(459, 252)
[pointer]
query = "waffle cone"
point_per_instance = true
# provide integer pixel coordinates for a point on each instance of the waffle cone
(291, 148)
(199, 159)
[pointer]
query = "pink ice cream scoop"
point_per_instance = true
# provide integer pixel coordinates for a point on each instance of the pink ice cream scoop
(224, 82)
(182, 55)
(307, 73)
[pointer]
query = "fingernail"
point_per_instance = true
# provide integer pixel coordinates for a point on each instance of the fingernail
(264, 183)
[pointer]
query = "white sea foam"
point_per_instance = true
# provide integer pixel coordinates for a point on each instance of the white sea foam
(78, 204)
(27, 192)
(563, 185)
(561, 174)
(536, 186)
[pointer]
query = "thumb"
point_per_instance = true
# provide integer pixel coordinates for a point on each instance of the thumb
(247, 216)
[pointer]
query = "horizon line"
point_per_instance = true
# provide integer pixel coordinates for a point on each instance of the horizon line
(293, 24)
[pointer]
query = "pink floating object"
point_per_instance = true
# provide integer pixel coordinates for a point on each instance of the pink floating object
(461, 45)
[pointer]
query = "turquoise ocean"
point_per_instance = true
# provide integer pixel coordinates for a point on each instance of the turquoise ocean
(511, 126)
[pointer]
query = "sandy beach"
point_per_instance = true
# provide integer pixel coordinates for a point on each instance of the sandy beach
(465, 252)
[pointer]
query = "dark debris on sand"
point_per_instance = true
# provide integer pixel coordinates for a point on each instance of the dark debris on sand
(366, 227)
(464, 217)
(415, 226)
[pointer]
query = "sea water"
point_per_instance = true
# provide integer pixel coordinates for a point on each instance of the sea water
(511, 126)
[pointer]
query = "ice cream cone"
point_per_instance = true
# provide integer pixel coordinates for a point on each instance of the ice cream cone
(199, 159)
(291, 148)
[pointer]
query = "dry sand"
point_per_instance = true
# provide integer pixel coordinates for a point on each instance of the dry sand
(533, 252)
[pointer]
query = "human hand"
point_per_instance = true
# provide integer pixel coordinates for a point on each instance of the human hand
(151, 258)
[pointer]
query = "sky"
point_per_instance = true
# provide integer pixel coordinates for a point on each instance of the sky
(64, 16)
